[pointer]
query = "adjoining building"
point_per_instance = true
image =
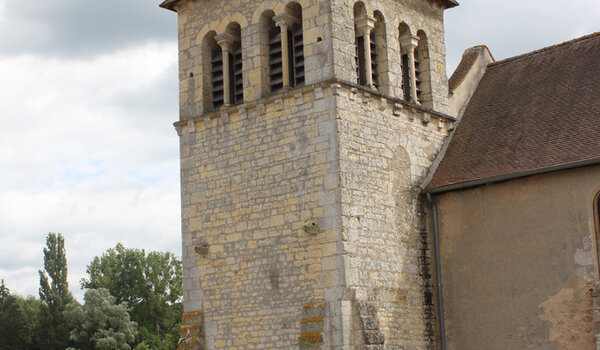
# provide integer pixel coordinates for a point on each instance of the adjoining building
(517, 191)
(323, 151)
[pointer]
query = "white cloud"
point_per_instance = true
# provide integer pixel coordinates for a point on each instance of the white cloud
(75, 161)
(87, 146)
(93, 216)
(514, 27)
(64, 126)
(68, 28)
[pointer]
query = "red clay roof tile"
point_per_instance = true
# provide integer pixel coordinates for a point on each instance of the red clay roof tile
(533, 111)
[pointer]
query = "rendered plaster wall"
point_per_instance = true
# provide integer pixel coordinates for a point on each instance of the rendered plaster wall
(518, 263)
(385, 151)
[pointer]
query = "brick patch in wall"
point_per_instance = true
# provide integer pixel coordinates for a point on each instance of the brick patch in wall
(311, 326)
(192, 333)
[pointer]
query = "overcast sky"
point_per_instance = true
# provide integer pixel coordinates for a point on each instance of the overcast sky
(88, 95)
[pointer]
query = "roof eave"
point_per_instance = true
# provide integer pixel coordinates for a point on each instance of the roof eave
(451, 3)
(512, 176)
(169, 4)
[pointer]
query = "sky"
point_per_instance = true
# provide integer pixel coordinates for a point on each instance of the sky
(88, 95)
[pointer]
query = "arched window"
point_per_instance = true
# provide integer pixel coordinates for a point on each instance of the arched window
(275, 58)
(213, 64)
(296, 45)
(380, 58)
(409, 68)
(423, 71)
(231, 67)
(235, 72)
(286, 49)
(365, 47)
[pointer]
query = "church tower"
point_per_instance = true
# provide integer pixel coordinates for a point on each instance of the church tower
(306, 129)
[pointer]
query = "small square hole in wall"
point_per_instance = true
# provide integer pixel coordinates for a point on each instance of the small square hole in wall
(311, 227)
(201, 249)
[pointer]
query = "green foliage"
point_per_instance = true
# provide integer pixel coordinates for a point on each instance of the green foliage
(100, 324)
(171, 339)
(143, 346)
(154, 342)
(54, 294)
(13, 325)
(32, 308)
(149, 284)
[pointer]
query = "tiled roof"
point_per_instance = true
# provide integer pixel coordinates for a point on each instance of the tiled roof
(451, 3)
(168, 4)
(531, 112)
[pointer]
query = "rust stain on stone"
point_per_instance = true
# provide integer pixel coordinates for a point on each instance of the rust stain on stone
(314, 338)
(310, 320)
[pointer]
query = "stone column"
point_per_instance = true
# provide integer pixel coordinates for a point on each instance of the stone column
(409, 45)
(365, 25)
(285, 22)
(226, 41)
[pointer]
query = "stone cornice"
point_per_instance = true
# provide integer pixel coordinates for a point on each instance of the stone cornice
(335, 85)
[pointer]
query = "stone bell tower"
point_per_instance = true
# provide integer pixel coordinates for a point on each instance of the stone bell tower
(306, 127)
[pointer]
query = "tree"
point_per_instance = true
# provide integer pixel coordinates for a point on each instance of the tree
(100, 324)
(54, 294)
(32, 308)
(13, 326)
(149, 284)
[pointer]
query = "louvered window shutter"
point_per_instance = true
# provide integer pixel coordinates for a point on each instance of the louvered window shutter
(298, 57)
(360, 60)
(405, 78)
(374, 74)
(275, 64)
(216, 70)
(237, 84)
(418, 77)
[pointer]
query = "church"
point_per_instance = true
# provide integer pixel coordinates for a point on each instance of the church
(339, 191)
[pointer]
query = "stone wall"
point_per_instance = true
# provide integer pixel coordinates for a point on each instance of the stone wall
(328, 44)
(308, 198)
(261, 220)
(198, 18)
(300, 212)
(385, 151)
(418, 15)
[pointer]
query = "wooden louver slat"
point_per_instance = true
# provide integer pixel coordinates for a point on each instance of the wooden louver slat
(298, 57)
(405, 78)
(275, 62)
(237, 83)
(418, 77)
(216, 77)
(359, 58)
(374, 72)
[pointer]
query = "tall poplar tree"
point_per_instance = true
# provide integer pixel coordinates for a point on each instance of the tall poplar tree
(54, 294)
